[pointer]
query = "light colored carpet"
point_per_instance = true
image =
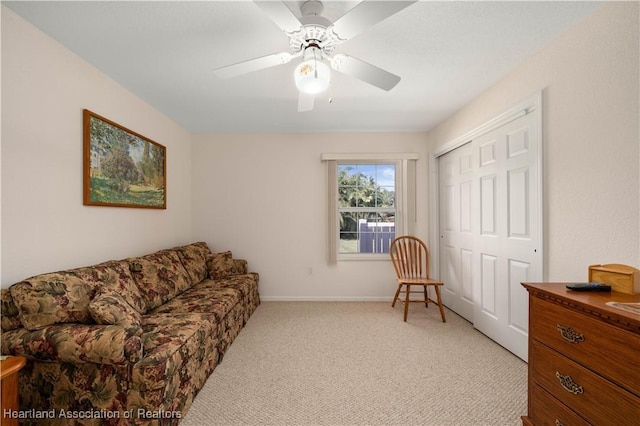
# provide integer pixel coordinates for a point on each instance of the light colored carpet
(358, 363)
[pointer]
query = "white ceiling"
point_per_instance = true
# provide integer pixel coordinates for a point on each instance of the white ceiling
(446, 52)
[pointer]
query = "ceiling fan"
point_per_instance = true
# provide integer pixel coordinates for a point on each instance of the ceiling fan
(314, 38)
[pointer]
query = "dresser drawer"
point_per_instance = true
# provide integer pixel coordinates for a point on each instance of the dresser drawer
(547, 411)
(607, 350)
(596, 399)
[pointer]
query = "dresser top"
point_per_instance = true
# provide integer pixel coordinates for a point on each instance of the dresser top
(593, 303)
(11, 365)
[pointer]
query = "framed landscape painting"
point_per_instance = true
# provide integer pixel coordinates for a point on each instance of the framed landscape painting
(121, 167)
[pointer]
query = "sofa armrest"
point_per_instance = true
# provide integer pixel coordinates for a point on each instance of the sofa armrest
(75, 343)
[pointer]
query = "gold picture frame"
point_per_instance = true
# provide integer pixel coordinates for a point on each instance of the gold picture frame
(121, 167)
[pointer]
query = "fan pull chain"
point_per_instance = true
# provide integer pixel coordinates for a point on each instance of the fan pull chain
(315, 64)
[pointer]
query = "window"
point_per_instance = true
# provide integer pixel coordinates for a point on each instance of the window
(366, 207)
(368, 203)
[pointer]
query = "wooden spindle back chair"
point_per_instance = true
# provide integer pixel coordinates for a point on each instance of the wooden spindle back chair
(410, 257)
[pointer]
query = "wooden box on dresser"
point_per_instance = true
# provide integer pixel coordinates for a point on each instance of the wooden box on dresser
(584, 358)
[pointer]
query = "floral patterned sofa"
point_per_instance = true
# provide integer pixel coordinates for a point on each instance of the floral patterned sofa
(125, 342)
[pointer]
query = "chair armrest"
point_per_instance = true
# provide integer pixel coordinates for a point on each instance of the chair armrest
(75, 343)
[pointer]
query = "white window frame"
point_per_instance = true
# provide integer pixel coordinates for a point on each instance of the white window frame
(404, 197)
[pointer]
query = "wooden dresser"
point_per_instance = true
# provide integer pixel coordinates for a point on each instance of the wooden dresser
(9, 369)
(584, 358)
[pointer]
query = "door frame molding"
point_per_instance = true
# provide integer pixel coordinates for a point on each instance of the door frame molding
(531, 105)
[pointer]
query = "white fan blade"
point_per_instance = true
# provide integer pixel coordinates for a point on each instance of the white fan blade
(365, 15)
(305, 102)
(364, 71)
(279, 13)
(253, 65)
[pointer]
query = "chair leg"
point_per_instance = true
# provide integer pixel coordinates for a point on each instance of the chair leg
(440, 303)
(406, 302)
(426, 297)
(395, 298)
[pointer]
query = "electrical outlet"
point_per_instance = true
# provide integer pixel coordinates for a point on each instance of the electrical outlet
(309, 270)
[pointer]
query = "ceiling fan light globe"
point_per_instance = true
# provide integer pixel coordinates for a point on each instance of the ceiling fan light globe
(312, 77)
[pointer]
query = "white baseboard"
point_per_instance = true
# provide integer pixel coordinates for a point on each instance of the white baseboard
(326, 299)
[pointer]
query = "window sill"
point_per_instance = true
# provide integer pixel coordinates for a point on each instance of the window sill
(363, 257)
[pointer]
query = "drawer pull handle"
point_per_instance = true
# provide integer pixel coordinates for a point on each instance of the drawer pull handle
(559, 423)
(569, 334)
(568, 383)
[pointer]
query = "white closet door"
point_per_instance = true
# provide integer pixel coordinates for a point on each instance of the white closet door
(489, 229)
(457, 242)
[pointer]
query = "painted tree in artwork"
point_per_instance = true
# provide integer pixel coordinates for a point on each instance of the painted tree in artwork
(120, 168)
(158, 161)
(152, 165)
(112, 145)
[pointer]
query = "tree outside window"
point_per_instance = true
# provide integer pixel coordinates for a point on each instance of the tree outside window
(367, 207)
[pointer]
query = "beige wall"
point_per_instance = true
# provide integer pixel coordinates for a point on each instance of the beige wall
(45, 227)
(233, 190)
(265, 198)
(590, 82)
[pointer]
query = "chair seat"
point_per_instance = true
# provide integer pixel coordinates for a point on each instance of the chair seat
(419, 281)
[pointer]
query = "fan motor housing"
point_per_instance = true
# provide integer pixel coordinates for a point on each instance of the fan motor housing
(313, 31)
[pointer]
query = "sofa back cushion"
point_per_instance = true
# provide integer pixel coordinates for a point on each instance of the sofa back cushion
(64, 297)
(194, 258)
(54, 298)
(115, 275)
(9, 311)
(160, 277)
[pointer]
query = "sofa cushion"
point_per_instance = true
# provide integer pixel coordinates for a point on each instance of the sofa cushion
(160, 276)
(9, 311)
(109, 307)
(171, 342)
(74, 343)
(221, 265)
(245, 284)
(210, 300)
(194, 259)
(241, 266)
(115, 275)
(54, 298)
